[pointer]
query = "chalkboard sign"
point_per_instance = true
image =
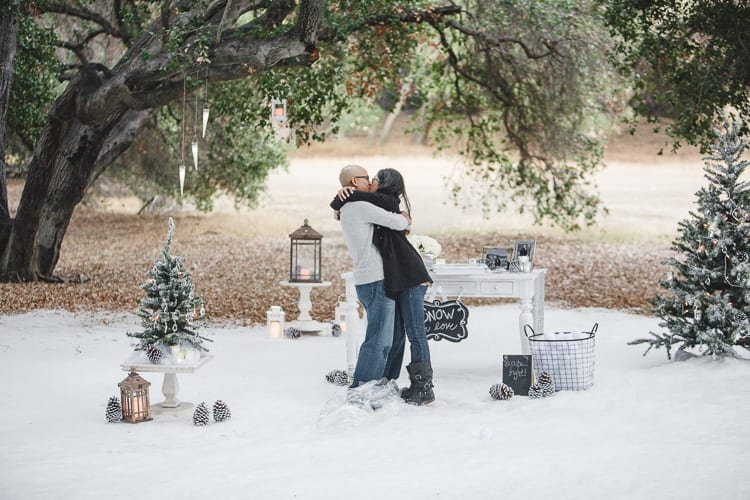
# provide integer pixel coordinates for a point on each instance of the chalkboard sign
(518, 373)
(446, 320)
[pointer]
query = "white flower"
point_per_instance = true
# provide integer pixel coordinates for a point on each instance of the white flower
(425, 245)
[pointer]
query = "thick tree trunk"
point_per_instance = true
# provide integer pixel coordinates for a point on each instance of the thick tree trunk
(8, 46)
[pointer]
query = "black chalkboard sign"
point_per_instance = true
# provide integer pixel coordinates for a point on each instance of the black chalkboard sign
(446, 320)
(518, 373)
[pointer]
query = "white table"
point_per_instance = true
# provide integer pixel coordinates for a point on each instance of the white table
(468, 280)
(304, 321)
(170, 386)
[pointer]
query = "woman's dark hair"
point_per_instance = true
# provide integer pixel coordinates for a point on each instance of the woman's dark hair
(390, 181)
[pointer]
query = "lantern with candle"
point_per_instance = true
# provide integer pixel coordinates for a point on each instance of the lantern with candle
(278, 111)
(275, 321)
(134, 399)
(304, 255)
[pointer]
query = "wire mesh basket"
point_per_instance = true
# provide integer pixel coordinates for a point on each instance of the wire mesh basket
(567, 356)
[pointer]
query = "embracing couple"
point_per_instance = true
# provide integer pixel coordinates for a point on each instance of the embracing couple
(390, 278)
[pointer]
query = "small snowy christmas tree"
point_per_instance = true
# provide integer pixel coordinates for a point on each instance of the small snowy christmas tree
(170, 309)
(708, 296)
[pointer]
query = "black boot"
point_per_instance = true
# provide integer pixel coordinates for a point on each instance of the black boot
(420, 391)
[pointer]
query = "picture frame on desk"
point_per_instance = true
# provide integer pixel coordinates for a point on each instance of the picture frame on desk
(523, 256)
(523, 248)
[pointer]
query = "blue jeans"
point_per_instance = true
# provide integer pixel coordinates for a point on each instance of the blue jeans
(410, 320)
(379, 335)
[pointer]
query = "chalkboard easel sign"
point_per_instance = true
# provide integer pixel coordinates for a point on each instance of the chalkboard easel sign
(446, 320)
(518, 373)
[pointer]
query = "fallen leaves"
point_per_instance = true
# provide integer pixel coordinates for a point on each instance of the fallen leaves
(239, 277)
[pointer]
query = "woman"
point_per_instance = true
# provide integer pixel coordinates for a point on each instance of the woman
(406, 281)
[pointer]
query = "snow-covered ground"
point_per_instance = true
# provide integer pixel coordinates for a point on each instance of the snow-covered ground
(648, 429)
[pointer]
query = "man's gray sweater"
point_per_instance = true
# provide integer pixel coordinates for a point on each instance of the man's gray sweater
(357, 219)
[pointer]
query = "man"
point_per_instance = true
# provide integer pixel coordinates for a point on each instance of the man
(357, 219)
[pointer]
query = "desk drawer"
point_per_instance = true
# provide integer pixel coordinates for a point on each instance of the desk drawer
(454, 288)
(496, 289)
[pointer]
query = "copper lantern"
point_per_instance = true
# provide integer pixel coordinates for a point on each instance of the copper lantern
(304, 255)
(134, 398)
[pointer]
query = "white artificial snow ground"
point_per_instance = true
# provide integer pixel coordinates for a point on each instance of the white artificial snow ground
(648, 429)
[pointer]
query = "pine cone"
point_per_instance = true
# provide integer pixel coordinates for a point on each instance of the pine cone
(154, 354)
(535, 391)
(336, 330)
(221, 411)
(114, 410)
(293, 333)
(544, 379)
(338, 377)
(501, 391)
(201, 415)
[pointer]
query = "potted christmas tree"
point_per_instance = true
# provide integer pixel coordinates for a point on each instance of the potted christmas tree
(170, 312)
(707, 299)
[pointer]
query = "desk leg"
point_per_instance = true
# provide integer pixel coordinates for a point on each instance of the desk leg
(353, 325)
(539, 304)
(526, 318)
(169, 388)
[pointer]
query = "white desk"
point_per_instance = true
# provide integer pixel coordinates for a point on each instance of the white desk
(469, 280)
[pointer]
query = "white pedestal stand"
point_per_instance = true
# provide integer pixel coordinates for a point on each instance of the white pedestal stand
(170, 386)
(304, 321)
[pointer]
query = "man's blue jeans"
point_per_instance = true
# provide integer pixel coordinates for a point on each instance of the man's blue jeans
(410, 320)
(379, 335)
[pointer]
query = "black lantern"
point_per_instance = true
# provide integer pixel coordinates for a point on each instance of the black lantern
(304, 255)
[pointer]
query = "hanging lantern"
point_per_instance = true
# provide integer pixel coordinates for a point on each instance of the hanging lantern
(278, 111)
(134, 399)
(275, 322)
(182, 178)
(194, 147)
(206, 110)
(304, 255)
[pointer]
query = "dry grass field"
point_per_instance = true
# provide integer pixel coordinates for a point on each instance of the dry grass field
(238, 257)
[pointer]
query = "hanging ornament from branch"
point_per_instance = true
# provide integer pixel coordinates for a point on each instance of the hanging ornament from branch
(194, 147)
(206, 108)
(206, 111)
(182, 178)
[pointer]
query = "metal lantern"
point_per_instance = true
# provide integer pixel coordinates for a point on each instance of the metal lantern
(134, 398)
(275, 321)
(278, 110)
(304, 255)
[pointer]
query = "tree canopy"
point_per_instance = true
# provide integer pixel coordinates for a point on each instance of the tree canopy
(521, 87)
(687, 60)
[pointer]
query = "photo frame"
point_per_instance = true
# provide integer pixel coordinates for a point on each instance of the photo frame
(524, 248)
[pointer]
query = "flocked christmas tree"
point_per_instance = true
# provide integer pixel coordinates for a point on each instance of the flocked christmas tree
(707, 299)
(170, 312)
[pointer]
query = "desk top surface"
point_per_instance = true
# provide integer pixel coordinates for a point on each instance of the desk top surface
(479, 271)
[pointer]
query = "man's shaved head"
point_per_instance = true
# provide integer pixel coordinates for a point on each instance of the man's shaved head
(349, 172)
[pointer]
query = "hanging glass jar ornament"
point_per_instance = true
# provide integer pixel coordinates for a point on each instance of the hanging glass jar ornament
(182, 178)
(206, 111)
(194, 148)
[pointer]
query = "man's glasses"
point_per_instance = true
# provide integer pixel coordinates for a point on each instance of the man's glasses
(366, 177)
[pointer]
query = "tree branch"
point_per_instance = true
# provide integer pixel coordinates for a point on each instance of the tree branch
(497, 40)
(86, 15)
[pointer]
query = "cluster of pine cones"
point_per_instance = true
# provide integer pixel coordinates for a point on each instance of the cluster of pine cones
(543, 388)
(201, 414)
(338, 377)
